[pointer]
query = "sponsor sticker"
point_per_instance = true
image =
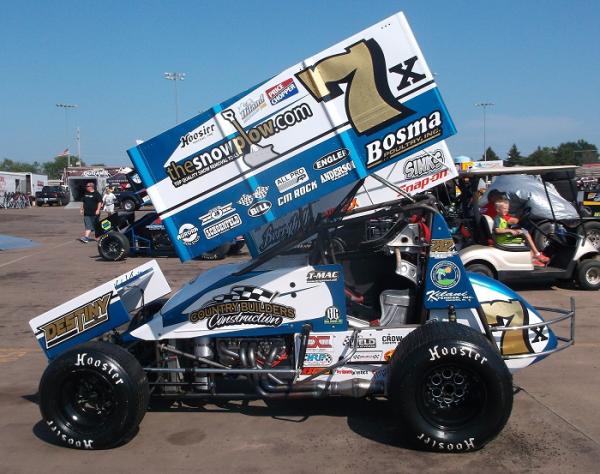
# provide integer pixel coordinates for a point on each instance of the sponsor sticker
(318, 276)
(243, 305)
(248, 108)
(319, 342)
(331, 159)
(105, 224)
(259, 208)
(391, 339)
(450, 296)
(332, 316)
(291, 180)
(445, 274)
(188, 234)
(367, 356)
(76, 321)
(318, 359)
(216, 213)
(198, 135)
(338, 172)
(222, 226)
(363, 342)
(283, 90)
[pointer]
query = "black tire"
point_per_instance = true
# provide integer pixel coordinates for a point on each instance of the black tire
(588, 275)
(452, 390)
(94, 396)
(216, 254)
(592, 233)
(481, 269)
(128, 205)
(236, 247)
(540, 240)
(113, 246)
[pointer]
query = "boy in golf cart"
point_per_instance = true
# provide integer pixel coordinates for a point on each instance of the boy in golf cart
(507, 231)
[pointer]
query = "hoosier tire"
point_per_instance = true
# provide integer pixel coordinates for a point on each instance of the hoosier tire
(113, 246)
(451, 388)
(94, 396)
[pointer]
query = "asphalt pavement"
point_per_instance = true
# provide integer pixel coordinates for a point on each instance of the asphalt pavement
(554, 427)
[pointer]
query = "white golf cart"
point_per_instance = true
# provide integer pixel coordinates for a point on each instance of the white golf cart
(573, 255)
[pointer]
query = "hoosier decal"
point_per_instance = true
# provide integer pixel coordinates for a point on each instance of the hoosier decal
(243, 305)
(77, 321)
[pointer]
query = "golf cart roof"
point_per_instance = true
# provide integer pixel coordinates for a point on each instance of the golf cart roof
(502, 170)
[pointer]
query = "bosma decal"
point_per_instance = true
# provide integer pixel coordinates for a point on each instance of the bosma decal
(76, 321)
(243, 305)
(508, 314)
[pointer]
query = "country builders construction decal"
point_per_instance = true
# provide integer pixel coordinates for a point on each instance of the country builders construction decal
(318, 126)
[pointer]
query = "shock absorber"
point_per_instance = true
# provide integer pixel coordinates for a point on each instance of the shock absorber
(202, 349)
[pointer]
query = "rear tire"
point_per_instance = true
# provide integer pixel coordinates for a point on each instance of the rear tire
(113, 246)
(588, 275)
(452, 390)
(94, 396)
(481, 269)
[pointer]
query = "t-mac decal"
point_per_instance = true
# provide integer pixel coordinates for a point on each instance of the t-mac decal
(243, 305)
(76, 321)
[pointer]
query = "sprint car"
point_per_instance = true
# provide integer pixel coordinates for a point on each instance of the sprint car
(120, 235)
(395, 315)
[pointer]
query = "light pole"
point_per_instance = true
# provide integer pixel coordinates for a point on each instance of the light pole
(66, 108)
(175, 76)
(484, 106)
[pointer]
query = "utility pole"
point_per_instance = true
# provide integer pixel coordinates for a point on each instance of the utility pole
(66, 108)
(484, 106)
(175, 76)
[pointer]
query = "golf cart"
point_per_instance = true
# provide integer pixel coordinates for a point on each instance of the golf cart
(557, 227)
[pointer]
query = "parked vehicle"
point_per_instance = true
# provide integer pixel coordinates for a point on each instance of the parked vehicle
(51, 195)
(135, 196)
(569, 239)
(120, 235)
(396, 317)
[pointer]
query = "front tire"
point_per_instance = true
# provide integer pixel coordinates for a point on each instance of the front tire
(94, 396)
(113, 246)
(452, 390)
(588, 275)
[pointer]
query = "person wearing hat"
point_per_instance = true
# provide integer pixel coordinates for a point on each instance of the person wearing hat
(108, 201)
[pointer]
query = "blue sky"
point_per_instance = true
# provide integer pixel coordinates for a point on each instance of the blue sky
(538, 62)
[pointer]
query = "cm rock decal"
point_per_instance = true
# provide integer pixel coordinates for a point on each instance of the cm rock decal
(249, 305)
(76, 321)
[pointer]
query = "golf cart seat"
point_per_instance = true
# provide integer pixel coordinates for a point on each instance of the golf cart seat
(487, 226)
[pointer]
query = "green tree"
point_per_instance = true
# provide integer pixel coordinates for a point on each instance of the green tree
(16, 166)
(514, 157)
(542, 157)
(576, 153)
(490, 155)
(54, 169)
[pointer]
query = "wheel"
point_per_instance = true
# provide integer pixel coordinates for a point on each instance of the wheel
(113, 246)
(481, 268)
(539, 236)
(216, 254)
(592, 233)
(588, 275)
(94, 396)
(128, 205)
(450, 386)
(236, 247)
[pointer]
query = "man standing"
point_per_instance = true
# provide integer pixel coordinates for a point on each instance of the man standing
(90, 208)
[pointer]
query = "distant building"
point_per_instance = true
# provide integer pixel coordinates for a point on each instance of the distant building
(77, 177)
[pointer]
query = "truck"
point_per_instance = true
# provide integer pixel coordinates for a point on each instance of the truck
(51, 195)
